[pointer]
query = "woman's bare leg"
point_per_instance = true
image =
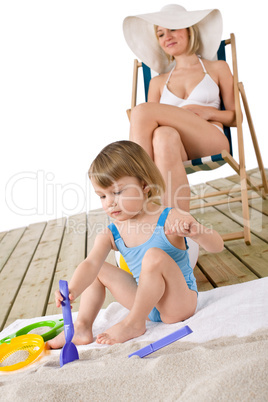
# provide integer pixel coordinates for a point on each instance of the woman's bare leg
(197, 138)
(122, 286)
(169, 155)
(162, 285)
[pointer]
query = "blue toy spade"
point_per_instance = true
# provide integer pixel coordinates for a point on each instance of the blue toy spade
(69, 351)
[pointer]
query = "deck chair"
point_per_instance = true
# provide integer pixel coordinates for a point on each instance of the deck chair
(215, 161)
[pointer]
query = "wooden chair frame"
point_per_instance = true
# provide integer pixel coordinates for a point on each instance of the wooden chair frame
(240, 166)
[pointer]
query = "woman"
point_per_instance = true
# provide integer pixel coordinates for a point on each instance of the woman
(181, 120)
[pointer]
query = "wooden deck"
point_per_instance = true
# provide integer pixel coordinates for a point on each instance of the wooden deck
(34, 258)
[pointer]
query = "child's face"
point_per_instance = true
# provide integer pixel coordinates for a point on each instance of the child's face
(124, 199)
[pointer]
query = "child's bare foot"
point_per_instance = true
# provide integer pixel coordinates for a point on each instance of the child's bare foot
(82, 336)
(121, 332)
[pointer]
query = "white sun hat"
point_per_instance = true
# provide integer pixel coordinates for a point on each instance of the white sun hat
(140, 35)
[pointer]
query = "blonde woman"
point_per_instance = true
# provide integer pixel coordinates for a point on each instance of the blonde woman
(182, 119)
(150, 237)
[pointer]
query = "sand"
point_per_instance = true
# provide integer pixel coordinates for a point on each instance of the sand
(225, 358)
(225, 369)
(39, 330)
(14, 358)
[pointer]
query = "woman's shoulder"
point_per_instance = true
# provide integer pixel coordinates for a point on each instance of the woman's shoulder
(156, 87)
(219, 70)
(215, 65)
(159, 79)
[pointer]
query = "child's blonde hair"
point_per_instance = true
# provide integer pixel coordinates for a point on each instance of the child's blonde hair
(126, 158)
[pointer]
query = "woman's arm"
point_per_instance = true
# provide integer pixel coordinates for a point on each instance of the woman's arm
(226, 85)
(155, 88)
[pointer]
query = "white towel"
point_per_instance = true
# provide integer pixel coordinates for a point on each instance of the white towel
(237, 310)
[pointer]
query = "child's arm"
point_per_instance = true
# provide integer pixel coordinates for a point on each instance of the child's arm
(185, 225)
(87, 270)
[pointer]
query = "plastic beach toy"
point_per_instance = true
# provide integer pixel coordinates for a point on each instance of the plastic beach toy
(31, 345)
(55, 326)
(69, 351)
(153, 347)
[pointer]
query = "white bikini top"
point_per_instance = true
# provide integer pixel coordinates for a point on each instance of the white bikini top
(206, 93)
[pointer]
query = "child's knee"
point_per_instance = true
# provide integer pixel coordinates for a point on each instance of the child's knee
(153, 258)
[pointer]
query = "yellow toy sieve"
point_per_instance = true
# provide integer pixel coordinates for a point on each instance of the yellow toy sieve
(31, 345)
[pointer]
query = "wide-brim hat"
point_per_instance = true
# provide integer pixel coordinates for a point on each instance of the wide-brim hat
(140, 34)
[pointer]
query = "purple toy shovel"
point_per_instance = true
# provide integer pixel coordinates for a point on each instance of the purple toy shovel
(69, 351)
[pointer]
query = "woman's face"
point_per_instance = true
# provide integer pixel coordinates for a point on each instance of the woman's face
(173, 41)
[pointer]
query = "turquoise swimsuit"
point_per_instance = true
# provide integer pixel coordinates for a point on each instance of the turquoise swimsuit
(134, 255)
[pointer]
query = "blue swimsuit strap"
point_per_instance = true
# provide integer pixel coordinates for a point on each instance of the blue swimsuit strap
(161, 221)
(114, 231)
(163, 217)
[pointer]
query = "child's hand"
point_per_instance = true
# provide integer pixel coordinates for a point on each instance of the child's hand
(185, 226)
(59, 298)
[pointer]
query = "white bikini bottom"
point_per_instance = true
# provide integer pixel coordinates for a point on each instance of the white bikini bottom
(221, 129)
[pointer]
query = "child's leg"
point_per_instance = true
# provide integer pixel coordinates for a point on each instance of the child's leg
(162, 285)
(122, 286)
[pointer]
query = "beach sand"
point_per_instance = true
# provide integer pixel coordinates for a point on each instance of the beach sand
(224, 369)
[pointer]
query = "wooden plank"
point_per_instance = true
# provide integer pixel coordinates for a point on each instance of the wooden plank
(202, 281)
(255, 256)
(258, 221)
(32, 297)
(224, 268)
(211, 217)
(15, 269)
(72, 252)
(252, 172)
(97, 221)
(8, 244)
(2, 235)
(259, 203)
(225, 220)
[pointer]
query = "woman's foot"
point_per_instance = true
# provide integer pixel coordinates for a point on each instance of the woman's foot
(82, 336)
(121, 332)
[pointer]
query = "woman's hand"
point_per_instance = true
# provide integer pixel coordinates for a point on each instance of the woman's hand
(205, 112)
(211, 114)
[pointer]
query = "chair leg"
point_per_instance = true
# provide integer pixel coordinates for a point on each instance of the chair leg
(241, 152)
(253, 136)
(241, 171)
(245, 208)
(232, 162)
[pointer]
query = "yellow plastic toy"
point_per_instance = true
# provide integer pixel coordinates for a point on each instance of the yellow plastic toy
(33, 344)
(123, 264)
